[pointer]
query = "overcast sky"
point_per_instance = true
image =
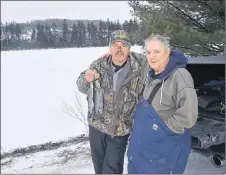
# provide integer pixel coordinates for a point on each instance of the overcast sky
(23, 11)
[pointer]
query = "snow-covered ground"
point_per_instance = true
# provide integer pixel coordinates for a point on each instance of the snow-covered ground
(73, 156)
(34, 85)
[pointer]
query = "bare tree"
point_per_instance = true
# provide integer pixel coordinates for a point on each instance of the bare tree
(76, 111)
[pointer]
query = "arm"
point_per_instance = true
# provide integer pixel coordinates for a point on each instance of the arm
(138, 56)
(186, 103)
(187, 111)
(82, 83)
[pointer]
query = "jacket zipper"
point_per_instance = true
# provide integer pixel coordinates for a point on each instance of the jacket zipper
(126, 81)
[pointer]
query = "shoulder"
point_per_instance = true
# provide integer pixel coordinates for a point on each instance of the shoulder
(136, 59)
(137, 55)
(183, 78)
(101, 62)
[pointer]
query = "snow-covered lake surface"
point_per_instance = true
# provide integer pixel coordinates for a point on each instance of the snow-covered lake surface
(34, 84)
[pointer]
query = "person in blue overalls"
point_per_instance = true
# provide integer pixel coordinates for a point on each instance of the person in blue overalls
(160, 142)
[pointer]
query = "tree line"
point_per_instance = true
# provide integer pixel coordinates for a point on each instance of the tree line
(14, 36)
(195, 27)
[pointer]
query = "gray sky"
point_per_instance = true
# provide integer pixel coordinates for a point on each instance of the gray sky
(23, 11)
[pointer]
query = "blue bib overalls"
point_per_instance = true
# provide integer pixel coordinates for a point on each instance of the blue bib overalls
(153, 147)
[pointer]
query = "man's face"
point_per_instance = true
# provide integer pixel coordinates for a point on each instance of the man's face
(119, 52)
(157, 55)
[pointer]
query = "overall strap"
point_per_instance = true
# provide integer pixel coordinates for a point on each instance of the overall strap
(153, 92)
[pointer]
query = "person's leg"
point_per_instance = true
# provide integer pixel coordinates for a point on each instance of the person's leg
(183, 158)
(98, 147)
(130, 168)
(115, 152)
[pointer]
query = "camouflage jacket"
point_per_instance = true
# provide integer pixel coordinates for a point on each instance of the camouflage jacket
(118, 107)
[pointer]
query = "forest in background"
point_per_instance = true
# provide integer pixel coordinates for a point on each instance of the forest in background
(195, 27)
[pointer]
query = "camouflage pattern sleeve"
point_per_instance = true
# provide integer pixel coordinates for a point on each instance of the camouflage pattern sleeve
(140, 57)
(82, 84)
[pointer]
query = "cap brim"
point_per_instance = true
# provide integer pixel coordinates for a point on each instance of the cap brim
(122, 41)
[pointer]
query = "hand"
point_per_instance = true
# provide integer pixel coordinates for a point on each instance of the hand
(89, 75)
(106, 54)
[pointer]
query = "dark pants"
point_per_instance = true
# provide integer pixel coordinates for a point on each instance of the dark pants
(107, 152)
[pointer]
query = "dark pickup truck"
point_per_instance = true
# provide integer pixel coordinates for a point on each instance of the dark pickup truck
(208, 134)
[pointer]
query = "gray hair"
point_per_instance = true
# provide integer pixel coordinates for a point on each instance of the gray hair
(164, 40)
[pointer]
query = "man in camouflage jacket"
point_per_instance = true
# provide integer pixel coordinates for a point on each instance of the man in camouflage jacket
(118, 76)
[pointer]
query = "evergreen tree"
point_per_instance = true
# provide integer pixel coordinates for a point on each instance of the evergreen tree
(33, 35)
(105, 33)
(195, 27)
(12, 28)
(74, 36)
(101, 33)
(55, 36)
(40, 36)
(81, 34)
(126, 26)
(134, 32)
(118, 26)
(65, 34)
(109, 31)
(46, 35)
(89, 35)
(18, 31)
(112, 26)
(94, 35)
